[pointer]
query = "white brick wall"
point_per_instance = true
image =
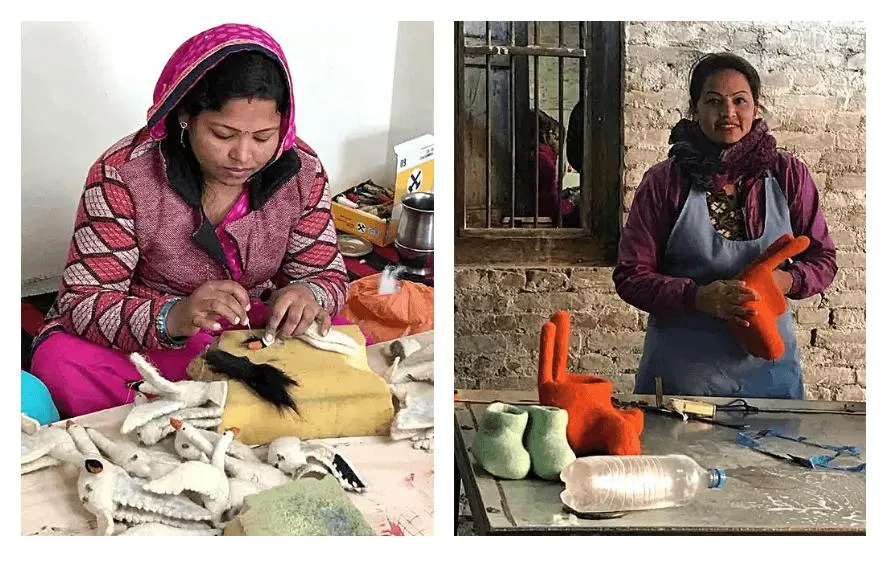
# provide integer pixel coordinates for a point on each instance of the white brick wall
(813, 83)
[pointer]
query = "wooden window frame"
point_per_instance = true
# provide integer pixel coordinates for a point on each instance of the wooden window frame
(596, 242)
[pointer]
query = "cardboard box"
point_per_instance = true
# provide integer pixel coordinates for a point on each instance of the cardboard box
(415, 172)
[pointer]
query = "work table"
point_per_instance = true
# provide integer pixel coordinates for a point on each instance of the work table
(762, 494)
(399, 499)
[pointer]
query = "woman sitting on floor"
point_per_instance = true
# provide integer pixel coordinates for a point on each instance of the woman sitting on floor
(192, 225)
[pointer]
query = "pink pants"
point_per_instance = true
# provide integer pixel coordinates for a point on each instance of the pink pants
(85, 377)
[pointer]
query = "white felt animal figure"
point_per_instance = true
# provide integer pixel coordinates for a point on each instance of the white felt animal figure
(416, 406)
(135, 460)
(208, 480)
(191, 393)
(42, 462)
(239, 487)
(82, 440)
(130, 517)
(105, 488)
(287, 454)
(411, 362)
(239, 490)
(160, 529)
(172, 396)
(187, 450)
(296, 458)
(157, 429)
(48, 446)
(259, 473)
(334, 340)
(29, 425)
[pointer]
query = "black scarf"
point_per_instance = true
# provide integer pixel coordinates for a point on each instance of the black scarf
(700, 158)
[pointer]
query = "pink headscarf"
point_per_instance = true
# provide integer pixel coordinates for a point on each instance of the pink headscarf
(201, 53)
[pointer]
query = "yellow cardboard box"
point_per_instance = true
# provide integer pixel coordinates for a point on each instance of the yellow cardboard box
(415, 172)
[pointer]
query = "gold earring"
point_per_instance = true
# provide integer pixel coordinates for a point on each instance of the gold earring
(183, 126)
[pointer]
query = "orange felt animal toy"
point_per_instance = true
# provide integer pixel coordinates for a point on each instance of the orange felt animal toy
(762, 338)
(595, 425)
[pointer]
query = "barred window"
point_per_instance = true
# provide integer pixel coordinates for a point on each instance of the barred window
(538, 142)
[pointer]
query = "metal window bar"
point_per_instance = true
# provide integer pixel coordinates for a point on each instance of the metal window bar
(560, 160)
(537, 123)
(595, 241)
(460, 125)
(587, 182)
(511, 52)
(530, 50)
(512, 130)
(488, 127)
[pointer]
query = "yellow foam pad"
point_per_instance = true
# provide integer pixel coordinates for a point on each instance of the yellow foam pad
(337, 395)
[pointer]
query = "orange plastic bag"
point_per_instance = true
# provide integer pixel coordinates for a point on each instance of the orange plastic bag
(410, 310)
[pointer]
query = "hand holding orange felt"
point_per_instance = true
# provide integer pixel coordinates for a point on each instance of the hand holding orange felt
(595, 426)
(762, 338)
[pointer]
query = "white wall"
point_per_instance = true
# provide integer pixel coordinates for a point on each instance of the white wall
(86, 85)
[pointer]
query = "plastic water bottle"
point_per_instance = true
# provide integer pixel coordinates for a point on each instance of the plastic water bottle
(628, 483)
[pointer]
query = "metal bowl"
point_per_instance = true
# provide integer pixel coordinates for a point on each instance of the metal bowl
(419, 262)
(352, 246)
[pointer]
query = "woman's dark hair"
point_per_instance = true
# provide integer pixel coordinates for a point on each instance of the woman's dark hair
(244, 74)
(708, 65)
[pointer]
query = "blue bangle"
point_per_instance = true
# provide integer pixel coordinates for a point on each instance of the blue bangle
(161, 325)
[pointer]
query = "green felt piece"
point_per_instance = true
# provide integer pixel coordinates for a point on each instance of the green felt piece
(546, 441)
(498, 443)
(305, 507)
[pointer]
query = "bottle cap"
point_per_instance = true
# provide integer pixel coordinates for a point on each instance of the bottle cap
(717, 477)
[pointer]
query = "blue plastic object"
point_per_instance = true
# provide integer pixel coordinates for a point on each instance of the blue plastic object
(36, 400)
(802, 451)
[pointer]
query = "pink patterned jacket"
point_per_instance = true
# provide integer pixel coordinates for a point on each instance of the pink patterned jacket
(141, 238)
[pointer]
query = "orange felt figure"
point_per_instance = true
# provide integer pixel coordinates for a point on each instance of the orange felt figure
(595, 425)
(762, 338)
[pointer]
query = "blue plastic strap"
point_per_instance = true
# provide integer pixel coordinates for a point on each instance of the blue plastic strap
(752, 440)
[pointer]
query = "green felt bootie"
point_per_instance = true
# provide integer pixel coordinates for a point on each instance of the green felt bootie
(498, 442)
(546, 441)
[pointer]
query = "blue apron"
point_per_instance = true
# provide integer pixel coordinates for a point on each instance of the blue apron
(697, 354)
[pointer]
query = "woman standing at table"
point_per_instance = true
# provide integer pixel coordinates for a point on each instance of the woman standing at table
(698, 219)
